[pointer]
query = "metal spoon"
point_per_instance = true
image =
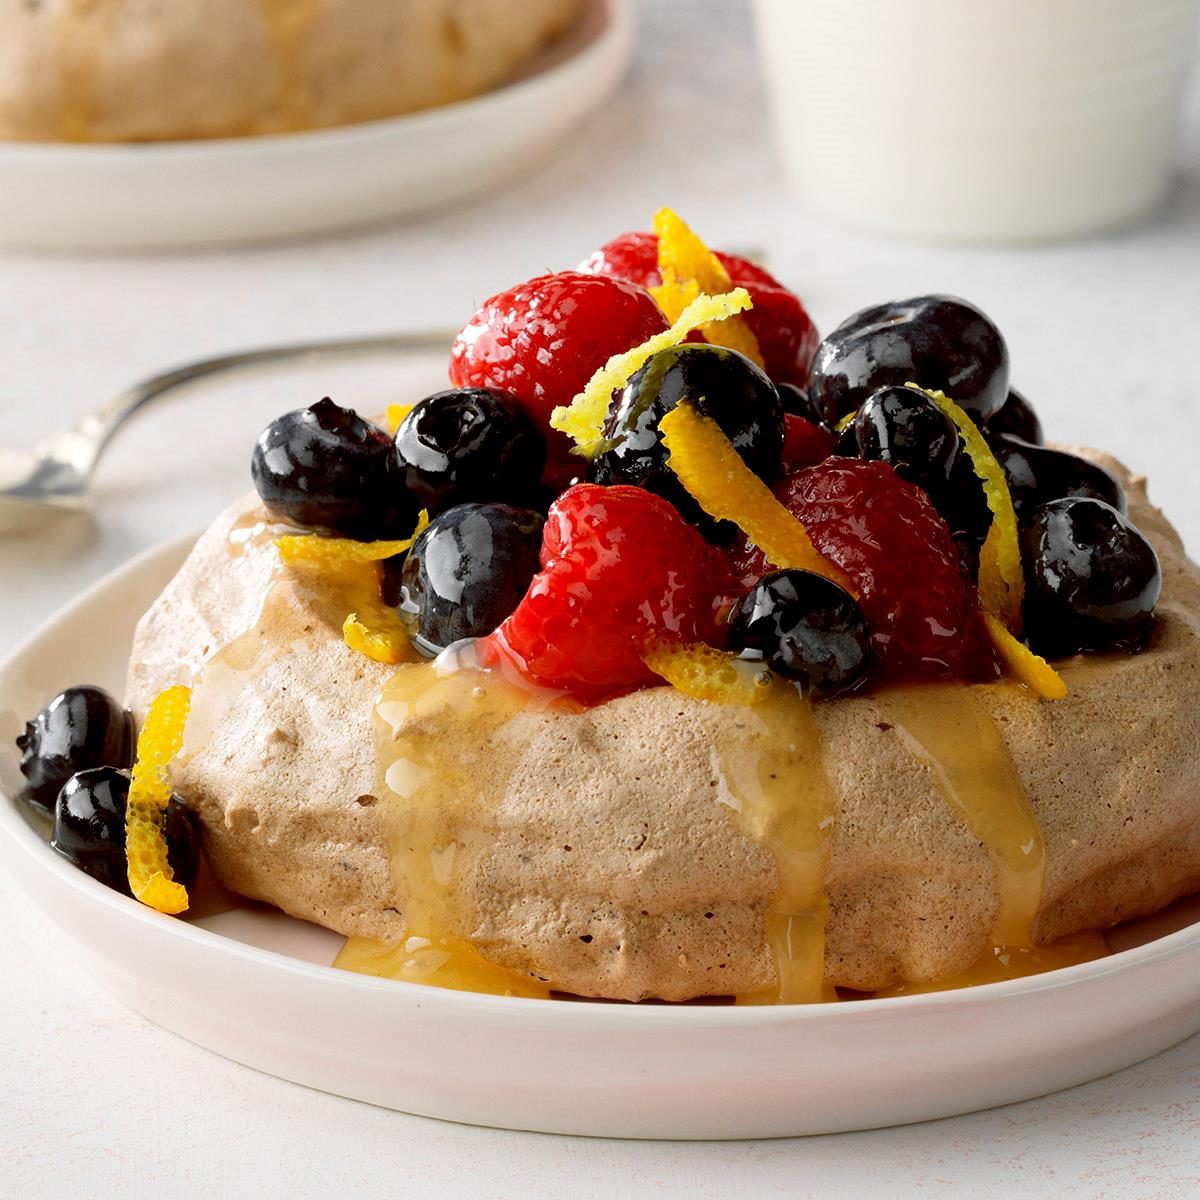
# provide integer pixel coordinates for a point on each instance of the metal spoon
(53, 477)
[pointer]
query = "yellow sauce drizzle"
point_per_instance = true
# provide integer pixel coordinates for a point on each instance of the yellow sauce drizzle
(947, 728)
(437, 826)
(784, 801)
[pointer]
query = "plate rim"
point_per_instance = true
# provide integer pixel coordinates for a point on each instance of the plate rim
(615, 22)
(17, 832)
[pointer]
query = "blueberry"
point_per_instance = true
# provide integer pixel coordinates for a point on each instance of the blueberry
(805, 628)
(1037, 474)
(89, 829)
(326, 469)
(935, 341)
(1016, 417)
(467, 571)
(721, 384)
(798, 403)
(80, 728)
(470, 444)
(1091, 579)
(903, 427)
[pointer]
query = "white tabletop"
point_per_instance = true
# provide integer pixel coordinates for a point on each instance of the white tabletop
(93, 1100)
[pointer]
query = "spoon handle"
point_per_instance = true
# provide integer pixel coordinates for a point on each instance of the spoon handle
(82, 446)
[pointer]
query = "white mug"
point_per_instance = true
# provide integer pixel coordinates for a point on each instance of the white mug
(978, 120)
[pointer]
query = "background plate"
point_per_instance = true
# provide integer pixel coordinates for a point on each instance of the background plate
(253, 985)
(237, 189)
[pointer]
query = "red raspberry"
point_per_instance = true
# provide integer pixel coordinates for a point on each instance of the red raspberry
(619, 567)
(543, 340)
(804, 444)
(897, 550)
(785, 332)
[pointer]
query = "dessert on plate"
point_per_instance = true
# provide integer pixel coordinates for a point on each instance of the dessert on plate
(671, 651)
(138, 70)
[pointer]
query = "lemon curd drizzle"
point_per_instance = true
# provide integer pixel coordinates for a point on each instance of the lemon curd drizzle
(437, 825)
(783, 800)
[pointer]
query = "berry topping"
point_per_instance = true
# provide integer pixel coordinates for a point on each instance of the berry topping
(720, 384)
(543, 340)
(1037, 474)
(714, 474)
(583, 419)
(905, 429)
(897, 552)
(783, 329)
(80, 728)
(934, 341)
(1016, 417)
(1092, 579)
(467, 571)
(622, 572)
(804, 444)
(326, 469)
(89, 829)
(804, 628)
(795, 400)
(470, 444)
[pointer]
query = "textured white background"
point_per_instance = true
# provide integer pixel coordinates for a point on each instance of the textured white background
(1105, 338)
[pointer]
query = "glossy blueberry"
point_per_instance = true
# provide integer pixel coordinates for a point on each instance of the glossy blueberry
(470, 444)
(89, 829)
(326, 469)
(80, 728)
(1037, 474)
(723, 385)
(804, 628)
(1017, 418)
(467, 571)
(937, 342)
(904, 428)
(1091, 579)
(798, 403)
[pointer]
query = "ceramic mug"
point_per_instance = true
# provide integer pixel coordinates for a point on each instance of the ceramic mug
(979, 120)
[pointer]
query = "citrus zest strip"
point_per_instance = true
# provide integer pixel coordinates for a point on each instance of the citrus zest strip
(719, 481)
(706, 673)
(384, 639)
(690, 269)
(151, 879)
(583, 419)
(1001, 581)
(1023, 665)
(313, 548)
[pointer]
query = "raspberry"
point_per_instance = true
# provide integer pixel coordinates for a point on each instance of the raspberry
(804, 444)
(542, 341)
(621, 571)
(886, 535)
(785, 332)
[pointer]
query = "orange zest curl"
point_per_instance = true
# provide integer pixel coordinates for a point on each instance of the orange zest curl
(396, 413)
(583, 419)
(690, 269)
(1001, 580)
(1027, 668)
(151, 879)
(719, 481)
(705, 673)
(330, 551)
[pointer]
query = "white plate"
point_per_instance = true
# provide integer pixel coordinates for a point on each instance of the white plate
(254, 986)
(238, 189)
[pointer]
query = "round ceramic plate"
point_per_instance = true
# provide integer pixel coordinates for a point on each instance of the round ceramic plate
(238, 189)
(257, 987)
